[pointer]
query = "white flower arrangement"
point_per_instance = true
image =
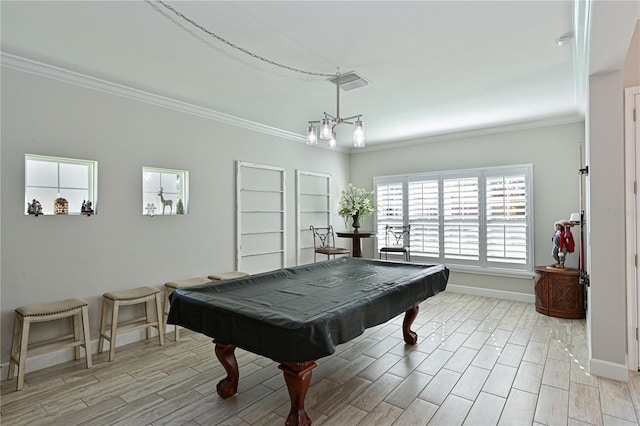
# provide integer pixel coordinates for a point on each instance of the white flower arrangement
(356, 203)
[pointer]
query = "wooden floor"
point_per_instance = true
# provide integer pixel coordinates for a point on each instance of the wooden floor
(479, 361)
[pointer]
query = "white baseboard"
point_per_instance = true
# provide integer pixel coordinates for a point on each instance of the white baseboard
(498, 294)
(58, 357)
(609, 370)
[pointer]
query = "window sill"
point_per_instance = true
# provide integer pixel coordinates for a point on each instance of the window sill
(471, 269)
(508, 273)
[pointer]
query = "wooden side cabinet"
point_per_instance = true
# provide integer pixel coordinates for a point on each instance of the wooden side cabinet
(559, 293)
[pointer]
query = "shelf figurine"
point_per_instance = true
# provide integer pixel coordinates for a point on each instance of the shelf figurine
(164, 202)
(34, 208)
(60, 206)
(151, 209)
(87, 208)
(179, 207)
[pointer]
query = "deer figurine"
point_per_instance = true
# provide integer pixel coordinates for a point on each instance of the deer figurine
(164, 202)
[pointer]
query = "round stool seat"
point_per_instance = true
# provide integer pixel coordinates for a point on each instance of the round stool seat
(228, 275)
(186, 283)
(53, 308)
(135, 293)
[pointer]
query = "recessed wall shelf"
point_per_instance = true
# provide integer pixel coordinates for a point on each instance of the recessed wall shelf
(313, 207)
(260, 217)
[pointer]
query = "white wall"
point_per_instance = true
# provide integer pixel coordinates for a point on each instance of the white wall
(553, 151)
(631, 67)
(606, 320)
(56, 257)
(606, 226)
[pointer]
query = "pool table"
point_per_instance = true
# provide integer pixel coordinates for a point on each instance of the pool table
(297, 315)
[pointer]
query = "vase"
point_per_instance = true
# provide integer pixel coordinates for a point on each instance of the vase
(356, 221)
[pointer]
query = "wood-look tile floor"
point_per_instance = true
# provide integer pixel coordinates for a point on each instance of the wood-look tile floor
(479, 361)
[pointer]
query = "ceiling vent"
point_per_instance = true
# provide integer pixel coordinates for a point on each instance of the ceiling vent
(349, 81)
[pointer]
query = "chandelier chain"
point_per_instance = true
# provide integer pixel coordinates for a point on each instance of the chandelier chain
(241, 49)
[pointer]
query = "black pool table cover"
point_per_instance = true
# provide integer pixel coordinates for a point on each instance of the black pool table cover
(301, 313)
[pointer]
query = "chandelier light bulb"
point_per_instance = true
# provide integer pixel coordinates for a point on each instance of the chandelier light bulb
(358, 134)
(332, 141)
(325, 129)
(312, 137)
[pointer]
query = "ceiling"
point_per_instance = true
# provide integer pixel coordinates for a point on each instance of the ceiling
(433, 67)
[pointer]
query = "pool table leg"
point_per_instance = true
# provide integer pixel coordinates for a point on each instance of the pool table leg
(410, 337)
(297, 375)
(229, 385)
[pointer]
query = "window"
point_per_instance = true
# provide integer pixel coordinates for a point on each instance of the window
(476, 217)
(165, 191)
(48, 178)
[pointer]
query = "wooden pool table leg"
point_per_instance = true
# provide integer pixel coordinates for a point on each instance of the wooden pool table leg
(410, 337)
(297, 375)
(229, 385)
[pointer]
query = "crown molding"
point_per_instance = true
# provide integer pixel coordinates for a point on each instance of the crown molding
(496, 128)
(56, 73)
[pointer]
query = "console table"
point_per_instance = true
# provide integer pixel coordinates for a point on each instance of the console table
(559, 292)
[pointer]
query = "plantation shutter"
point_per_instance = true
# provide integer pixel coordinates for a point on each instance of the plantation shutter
(424, 217)
(461, 218)
(506, 203)
(389, 205)
(479, 218)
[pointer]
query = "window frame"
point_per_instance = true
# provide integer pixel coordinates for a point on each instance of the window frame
(183, 194)
(483, 264)
(91, 188)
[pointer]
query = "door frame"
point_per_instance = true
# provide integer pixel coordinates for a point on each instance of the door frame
(632, 222)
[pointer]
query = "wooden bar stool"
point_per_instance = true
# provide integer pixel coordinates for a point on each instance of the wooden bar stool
(135, 296)
(25, 315)
(169, 288)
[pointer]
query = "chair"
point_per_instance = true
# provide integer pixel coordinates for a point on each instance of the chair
(77, 309)
(396, 240)
(149, 296)
(324, 242)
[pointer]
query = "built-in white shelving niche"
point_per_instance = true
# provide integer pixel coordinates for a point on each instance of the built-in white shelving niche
(260, 217)
(71, 181)
(313, 207)
(165, 191)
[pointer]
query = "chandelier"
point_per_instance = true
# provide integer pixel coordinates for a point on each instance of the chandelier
(329, 123)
